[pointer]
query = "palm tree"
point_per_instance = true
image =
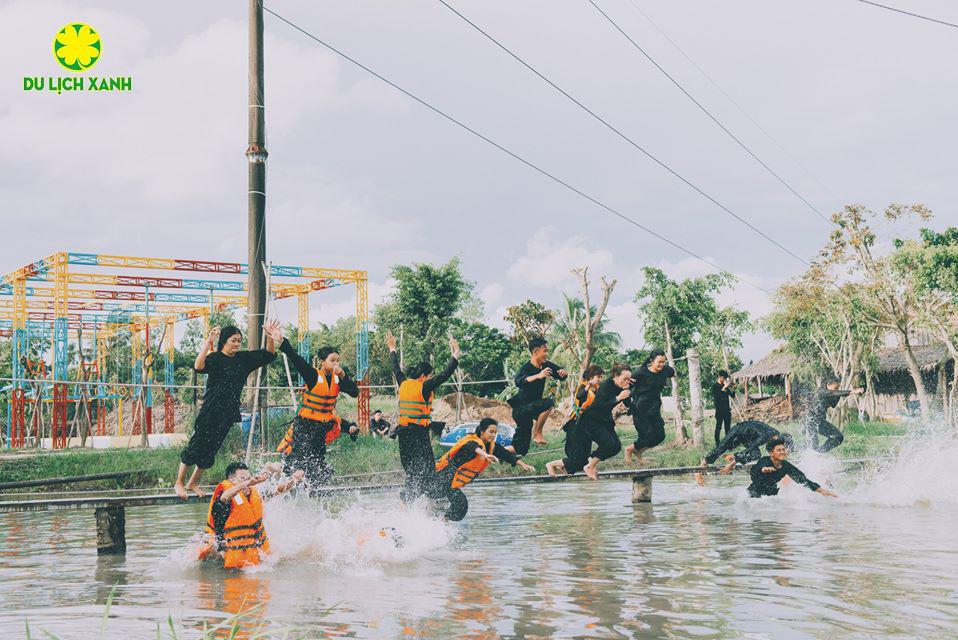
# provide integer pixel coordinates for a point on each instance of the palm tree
(569, 332)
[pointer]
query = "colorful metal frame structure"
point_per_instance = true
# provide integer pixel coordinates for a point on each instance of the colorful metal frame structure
(80, 291)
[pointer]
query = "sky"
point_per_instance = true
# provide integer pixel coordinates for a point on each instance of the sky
(848, 103)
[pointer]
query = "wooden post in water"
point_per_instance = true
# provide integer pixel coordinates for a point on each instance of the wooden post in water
(111, 530)
(641, 489)
(695, 396)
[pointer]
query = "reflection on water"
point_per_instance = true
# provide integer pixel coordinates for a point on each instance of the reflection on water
(570, 560)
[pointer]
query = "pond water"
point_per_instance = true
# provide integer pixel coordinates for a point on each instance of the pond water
(535, 561)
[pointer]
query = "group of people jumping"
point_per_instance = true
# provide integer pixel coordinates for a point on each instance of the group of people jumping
(234, 524)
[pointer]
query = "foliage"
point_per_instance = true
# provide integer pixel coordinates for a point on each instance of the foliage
(529, 319)
(568, 335)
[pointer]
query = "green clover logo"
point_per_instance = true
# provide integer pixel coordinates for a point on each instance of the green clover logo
(77, 47)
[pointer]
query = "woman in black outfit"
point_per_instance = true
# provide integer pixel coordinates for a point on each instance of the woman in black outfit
(227, 370)
(596, 425)
(649, 380)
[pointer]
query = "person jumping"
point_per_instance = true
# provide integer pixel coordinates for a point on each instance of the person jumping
(529, 409)
(646, 409)
(227, 370)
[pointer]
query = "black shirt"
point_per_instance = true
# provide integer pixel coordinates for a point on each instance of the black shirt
(429, 386)
(530, 392)
(380, 426)
(647, 392)
(468, 452)
(720, 397)
(226, 377)
(824, 400)
(599, 413)
(310, 375)
(766, 484)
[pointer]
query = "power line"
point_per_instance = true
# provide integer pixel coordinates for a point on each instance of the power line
(508, 152)
(909, 13)
(731, 100)
(708, 113)
(625, 137)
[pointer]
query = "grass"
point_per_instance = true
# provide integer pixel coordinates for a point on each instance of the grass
(364, 460)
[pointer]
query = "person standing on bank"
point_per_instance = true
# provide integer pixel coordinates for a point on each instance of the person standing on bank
(227, 370)
(646, 409)
(529, 409)
(722, 391)
(417, 388)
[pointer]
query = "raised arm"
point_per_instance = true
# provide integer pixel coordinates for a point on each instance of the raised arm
(303, 368)
(347, 385)
(199, 365)
(436, 381)
(394, 357)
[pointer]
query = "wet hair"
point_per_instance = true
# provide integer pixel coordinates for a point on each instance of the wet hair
(484, 424)
(323, 352)
(226, 333)
(618, 368)
(653, 354)
(233, 467)
(536, 342)
(723, 373)
(592, 371)
(773, 442)
(422, 369)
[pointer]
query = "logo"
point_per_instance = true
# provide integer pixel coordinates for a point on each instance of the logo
(77, 47)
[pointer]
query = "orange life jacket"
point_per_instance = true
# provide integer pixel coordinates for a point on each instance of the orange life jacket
(243, 539)
(414, 409)
(319, 403)
(471, 469)
(589, 399)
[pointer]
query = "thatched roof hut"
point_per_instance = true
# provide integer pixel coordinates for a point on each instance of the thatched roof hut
(929, 358)
(776, 365)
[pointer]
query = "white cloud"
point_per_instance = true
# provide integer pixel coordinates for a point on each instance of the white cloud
(549, 260)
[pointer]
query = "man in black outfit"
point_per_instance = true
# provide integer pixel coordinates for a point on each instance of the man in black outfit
(722, 390)
(378, 425)
(769, 471)
(826, 398)
(751, 435)
(529, 409)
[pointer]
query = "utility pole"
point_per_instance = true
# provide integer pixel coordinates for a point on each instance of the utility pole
(256, 155)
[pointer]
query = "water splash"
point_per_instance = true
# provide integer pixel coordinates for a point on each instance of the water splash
(362, 537)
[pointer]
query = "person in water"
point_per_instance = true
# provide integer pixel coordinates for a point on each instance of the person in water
(465, 461)
(751, 436)
(234, 520)
(227, 370)
(770, 469)
(317, 424)
(529, 409)
(826, 397)
(646, 409)
(417, 387)
(596, 425)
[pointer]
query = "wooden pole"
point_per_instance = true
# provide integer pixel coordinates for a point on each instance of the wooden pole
(695, 397)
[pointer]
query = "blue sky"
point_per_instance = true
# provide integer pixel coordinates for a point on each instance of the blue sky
(859, 103)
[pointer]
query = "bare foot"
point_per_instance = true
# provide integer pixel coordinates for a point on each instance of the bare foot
(180, 490)
(541, 441)
(629, 451)
(195, 488)
(699, 479)
(591, 472)
(553, 467)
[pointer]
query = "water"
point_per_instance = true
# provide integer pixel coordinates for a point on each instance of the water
(536, 561)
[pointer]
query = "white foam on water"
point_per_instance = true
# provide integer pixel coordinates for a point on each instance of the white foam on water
(922, 473)
(360, 539)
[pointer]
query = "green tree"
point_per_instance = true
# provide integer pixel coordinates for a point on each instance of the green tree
(569, 335)
(529, 319)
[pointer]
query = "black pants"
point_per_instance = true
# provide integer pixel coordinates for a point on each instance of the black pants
(577, 448)
(833, 437)
(731, 442)
(525, 416)
(606, 440)
(207, 438)
(722, 419)
(458, 505)
(309, 451)
(650, 431)
(415, 453)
